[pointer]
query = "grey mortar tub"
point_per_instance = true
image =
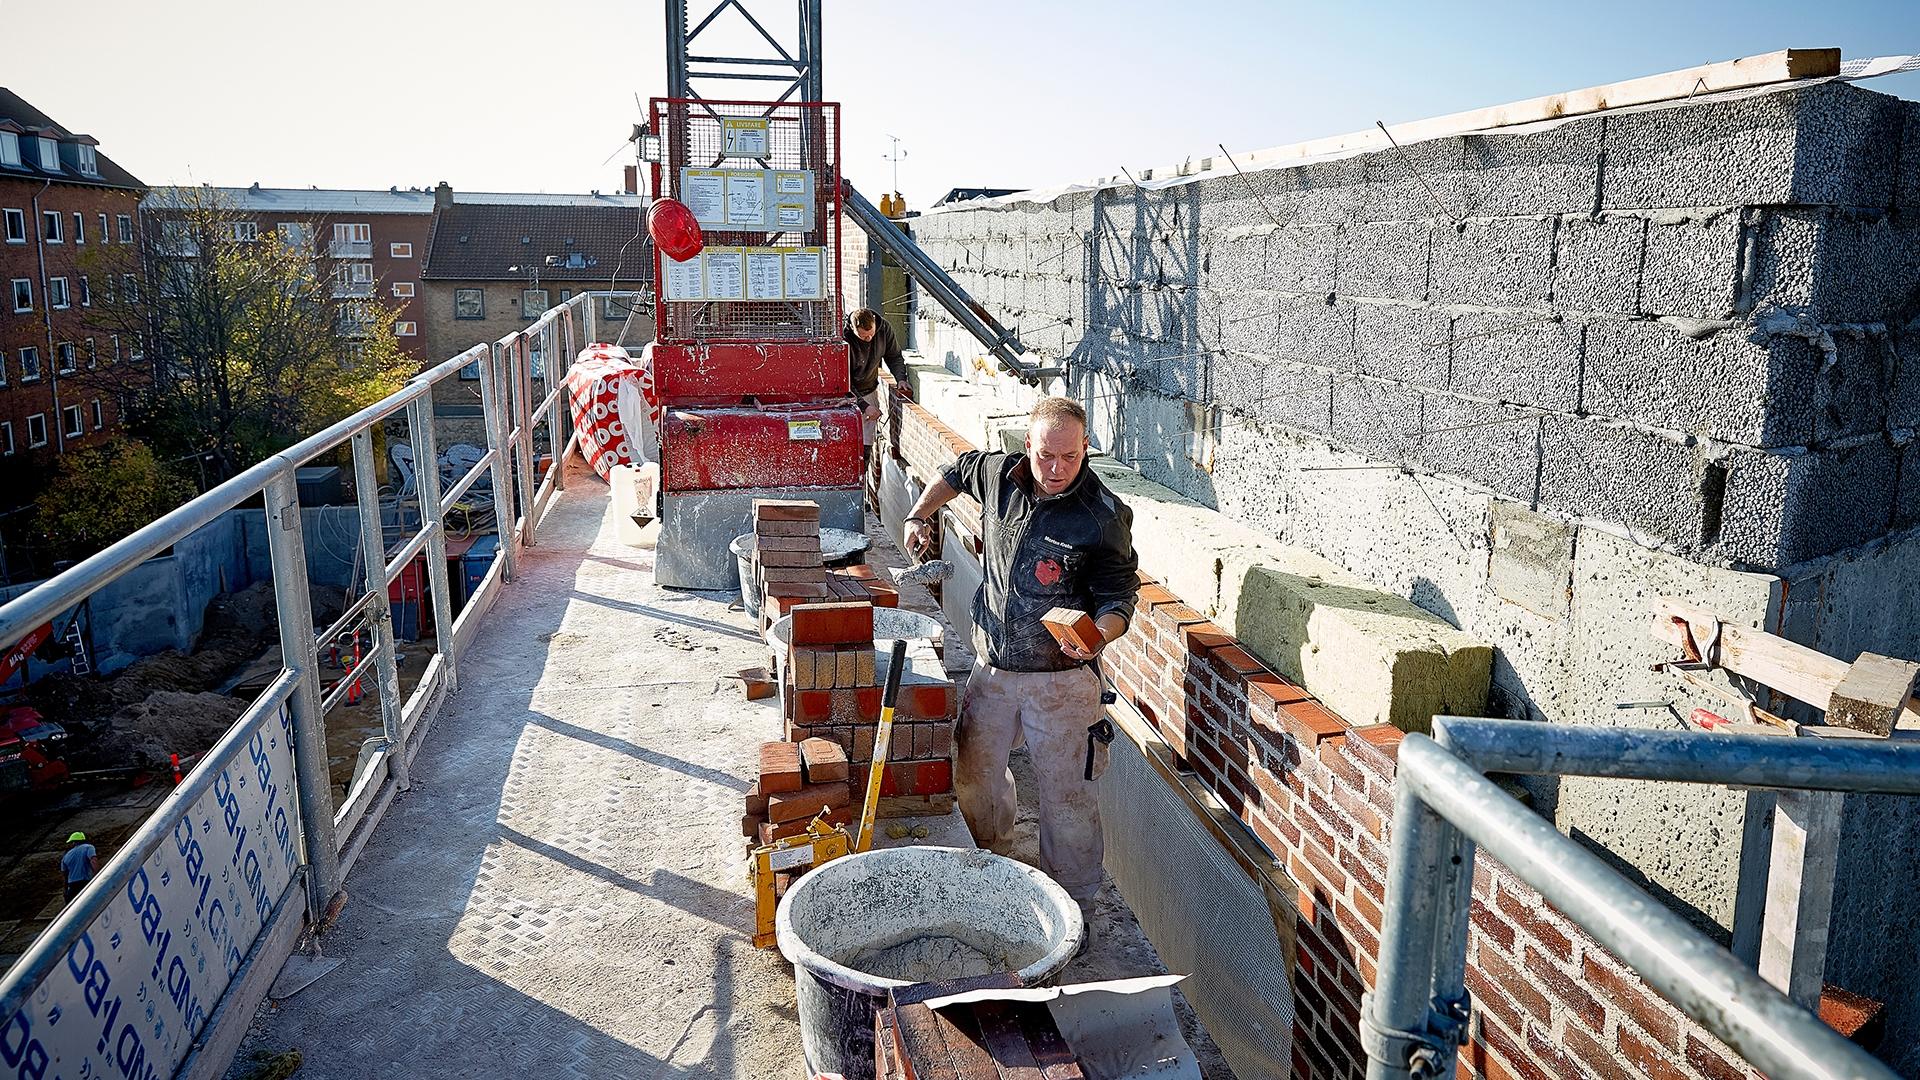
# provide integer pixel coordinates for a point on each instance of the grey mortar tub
(931, 913)
(837, 546)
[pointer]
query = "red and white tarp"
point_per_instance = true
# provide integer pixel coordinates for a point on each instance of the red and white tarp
(615, 407)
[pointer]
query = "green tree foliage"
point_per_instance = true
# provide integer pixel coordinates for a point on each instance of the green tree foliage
(249, 338)
(101, 493)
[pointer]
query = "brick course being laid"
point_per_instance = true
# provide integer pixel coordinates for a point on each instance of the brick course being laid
(1549, 1002)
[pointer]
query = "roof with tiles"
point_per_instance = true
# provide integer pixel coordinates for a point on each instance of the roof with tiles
(29, 123)
(510, 238)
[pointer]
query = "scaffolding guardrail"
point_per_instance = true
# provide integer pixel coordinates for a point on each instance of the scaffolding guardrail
(1444, 807)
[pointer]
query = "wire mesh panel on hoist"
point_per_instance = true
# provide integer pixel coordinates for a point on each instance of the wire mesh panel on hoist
(761, 180)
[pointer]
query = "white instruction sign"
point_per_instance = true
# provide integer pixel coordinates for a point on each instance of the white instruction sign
(705, 193)
(136, 987)
(764, 274)
(685, 280)
(726, 273)
(747, 199)
(746, 136)
(803, 430)
(791, 183)
(789, 216)
(803, 278)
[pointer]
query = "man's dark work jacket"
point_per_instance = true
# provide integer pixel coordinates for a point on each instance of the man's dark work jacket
(1072, 550)
(863, 358)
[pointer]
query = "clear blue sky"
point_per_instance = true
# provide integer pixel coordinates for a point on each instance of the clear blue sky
(491, 95)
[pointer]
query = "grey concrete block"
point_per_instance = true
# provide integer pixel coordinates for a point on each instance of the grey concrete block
(1394, 342)
(1248, 323)
(1387, 260)
(1781, 510)
(1903, 398)
(1533, 172)
(1492, 445)
(1646, 483)
(1419, 182)
(1906, 506)
(1692, 265)
(1867, 269)
(1380, 420)
(1826, 145)
(1851, 388)
(1597, 264)
(1118, 210)
(1182, 375)
(1176, 319)
(1178, 258)
(1323, 193)
(1237, 262)
(1300, 258)
(1502, 262)
(1722, 385)
(1518, 358)
(1235, 380)
(1313, 331)
(1906, 196)
(1296, 395)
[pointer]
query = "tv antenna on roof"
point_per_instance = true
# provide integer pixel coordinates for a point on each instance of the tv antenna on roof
(895, 158)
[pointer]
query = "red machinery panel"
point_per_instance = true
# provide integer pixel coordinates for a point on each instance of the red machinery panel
(768, 447)
(769, 371)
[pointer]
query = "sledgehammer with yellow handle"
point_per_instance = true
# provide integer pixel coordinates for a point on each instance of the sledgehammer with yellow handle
(881, 738)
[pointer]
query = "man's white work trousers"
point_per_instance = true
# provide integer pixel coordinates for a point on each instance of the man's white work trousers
(1051, 710)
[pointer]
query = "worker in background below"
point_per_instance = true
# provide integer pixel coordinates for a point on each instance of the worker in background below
(869, 341)
(1056, 537)
(80, 862)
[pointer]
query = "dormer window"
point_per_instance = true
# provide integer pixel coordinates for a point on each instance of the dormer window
(9, 148)
(49, 154)
(87, 160)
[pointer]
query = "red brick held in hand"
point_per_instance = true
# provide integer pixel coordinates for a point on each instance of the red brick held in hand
(1073, 628)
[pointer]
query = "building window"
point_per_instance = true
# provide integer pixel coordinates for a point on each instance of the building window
(16, 226)
(79, 227)
(76, 425)
(57, 296)
(471, 372)
(93, 355)
(116, 349)
(532, 302)
(69, 358)
(125, 222)
(88, 159)
(405, 329)
(400, 251)
(566, 295)
(36, 430)
(49, 154)
(129, 289)
(22, 294)
(6, 437)
(10, 149)
(50, 226)
(29, 364)
(403, 288)
(86, 292)
(353, 234)
(3, 367)
(296, 234)
(105, 236)
(619, 307)
(243, 231)
(99, 415)
(469, 303)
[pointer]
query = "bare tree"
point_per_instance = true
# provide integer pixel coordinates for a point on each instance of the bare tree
(246, 340)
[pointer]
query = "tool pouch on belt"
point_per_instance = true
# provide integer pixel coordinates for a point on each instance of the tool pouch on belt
(1100, 733)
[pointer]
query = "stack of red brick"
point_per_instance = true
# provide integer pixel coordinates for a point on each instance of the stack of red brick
(787, 568)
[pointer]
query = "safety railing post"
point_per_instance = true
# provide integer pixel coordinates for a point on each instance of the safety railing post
(286, 547)
(426, 464)
(373, 560)
(493, 408)
(1405, 1035)
(520, 394)
(553, 363)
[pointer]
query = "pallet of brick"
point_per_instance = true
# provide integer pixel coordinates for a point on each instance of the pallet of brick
(786, 563)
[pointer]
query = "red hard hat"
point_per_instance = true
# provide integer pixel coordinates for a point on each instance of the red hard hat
(674, 230)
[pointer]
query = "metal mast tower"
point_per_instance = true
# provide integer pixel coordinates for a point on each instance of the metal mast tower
(798, 66)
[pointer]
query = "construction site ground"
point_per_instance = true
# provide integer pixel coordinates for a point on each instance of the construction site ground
(563, 890)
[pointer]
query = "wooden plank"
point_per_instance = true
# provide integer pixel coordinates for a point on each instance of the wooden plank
(1806, 853)
(923, 1052)
(1799, 672)
(886, 1053)
(1050, 1050)
(1871, 694)
(1006, 1041)
(1784, 65)
(966, 1051)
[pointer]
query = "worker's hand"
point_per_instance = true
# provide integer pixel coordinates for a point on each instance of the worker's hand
(1075, 652)
(870, 410)
(902, 390)
(919, 539)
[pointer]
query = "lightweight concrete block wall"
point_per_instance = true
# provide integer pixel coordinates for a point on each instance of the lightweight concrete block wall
(1683, 342)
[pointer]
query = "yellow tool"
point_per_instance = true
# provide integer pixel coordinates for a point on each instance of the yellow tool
(823, 841)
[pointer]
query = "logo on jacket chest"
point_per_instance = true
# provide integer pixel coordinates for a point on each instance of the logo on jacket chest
(1047, 571)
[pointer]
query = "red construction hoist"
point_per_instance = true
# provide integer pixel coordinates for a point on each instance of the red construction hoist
(748, 357)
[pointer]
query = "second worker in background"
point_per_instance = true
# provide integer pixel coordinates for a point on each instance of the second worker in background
(870, 341)
(1054, 536)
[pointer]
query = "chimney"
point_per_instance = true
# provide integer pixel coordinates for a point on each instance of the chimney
(442, 196)
(630, 179)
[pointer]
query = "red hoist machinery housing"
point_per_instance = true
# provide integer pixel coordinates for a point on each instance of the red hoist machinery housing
(748, 355)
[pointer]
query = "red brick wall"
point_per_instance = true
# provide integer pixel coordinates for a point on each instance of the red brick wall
(1549, 1002)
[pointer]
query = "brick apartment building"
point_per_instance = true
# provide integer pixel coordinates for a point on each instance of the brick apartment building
(59, 199)
(496, 261)
(374, 243)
